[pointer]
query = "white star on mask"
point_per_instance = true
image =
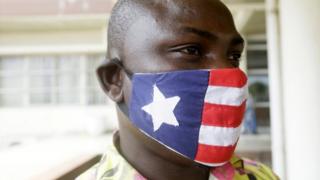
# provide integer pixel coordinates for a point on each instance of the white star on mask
(161, 109)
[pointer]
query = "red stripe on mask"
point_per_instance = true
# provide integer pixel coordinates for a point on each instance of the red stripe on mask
(214, 154)
(227, 77)
(222, 115)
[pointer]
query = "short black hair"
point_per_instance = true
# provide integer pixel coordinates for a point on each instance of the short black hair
(123, 15)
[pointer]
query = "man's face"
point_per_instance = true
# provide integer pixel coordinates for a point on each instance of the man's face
(188, 35)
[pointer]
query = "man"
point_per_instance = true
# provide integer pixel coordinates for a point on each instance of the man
(160, 56)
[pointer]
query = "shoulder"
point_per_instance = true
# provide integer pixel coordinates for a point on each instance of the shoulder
(259, 170)
(112, 166)
(89, 174)
(244, 169)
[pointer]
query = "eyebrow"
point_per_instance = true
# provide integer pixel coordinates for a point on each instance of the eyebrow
(235, 40)
(199, 32)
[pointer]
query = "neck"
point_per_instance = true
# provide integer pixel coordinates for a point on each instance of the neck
(151, 159)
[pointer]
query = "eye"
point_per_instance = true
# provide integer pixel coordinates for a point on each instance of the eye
(191, 50)
(235, 58)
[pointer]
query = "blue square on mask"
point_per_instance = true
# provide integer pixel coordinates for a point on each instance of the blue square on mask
(190, 88)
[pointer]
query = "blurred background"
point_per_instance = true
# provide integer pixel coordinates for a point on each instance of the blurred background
(55, 120)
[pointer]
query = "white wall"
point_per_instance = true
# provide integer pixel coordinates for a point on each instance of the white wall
(76, 34)
(53, 34)
(38, 122)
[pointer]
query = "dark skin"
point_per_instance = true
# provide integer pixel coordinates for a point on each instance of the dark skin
(197, 35)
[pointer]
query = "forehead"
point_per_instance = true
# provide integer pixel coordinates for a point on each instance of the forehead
(162, 19)
(210, 15)
(164, 23)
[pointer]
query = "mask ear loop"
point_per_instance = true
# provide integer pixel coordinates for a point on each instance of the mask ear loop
(122, 106)
(118, 63)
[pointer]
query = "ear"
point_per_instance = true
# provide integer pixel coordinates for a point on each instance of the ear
(111, 80)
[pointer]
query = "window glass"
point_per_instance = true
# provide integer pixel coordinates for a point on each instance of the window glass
(50, 79)
(11, 81)
(95, 94)
(257, 59)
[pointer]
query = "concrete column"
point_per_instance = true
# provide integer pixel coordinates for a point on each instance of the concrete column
(275, 84)
(300, 31)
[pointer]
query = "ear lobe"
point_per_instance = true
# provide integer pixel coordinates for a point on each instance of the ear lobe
(111, 81)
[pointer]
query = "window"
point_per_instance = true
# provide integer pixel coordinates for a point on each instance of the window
(11, 81)
(259, 82)
(50, 80)
(94, 94)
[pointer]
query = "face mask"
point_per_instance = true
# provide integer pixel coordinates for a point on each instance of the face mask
(196, 113)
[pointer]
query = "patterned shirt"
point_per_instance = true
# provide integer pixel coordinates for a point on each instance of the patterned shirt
(114, 167)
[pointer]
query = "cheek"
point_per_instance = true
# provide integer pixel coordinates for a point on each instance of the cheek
(127, 87)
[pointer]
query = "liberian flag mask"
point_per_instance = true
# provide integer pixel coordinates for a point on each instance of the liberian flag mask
(196, 113)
